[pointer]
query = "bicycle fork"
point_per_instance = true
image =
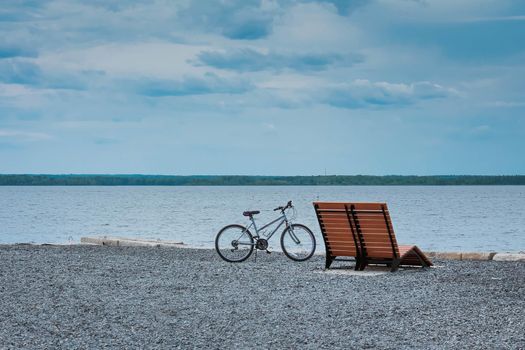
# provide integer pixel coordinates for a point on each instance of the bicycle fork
(292, 234)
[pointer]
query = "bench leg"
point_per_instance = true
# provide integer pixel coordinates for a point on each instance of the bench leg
(422, 261)
(395, 265)
(362, 265)
(328, 262)
(357, 264)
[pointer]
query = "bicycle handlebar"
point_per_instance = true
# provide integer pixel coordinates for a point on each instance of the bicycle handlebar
(288, 205)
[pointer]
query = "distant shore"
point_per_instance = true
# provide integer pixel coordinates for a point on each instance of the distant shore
(144, 297)
(241, 180)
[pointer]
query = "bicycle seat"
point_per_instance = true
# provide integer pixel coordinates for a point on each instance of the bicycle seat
(251, 212)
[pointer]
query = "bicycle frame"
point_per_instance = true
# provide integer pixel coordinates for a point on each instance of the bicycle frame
(281, 219)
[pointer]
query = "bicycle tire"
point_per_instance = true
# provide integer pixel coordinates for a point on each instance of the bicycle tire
(310, 236)
(222, 250)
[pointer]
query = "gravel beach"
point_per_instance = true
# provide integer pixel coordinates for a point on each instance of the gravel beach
(123, 297)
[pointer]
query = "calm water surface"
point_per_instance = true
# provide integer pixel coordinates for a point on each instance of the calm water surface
(476, 218)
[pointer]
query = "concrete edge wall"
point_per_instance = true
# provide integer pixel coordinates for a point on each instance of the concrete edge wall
(477, 256)
(128, 242)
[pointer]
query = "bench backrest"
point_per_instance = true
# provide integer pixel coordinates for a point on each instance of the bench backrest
(339, 237)
(353, 229)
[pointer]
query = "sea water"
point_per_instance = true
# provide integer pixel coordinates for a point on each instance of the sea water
(441, 218)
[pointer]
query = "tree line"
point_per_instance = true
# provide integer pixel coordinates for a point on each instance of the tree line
(240, 180)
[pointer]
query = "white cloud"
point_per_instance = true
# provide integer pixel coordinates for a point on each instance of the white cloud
(492, 19)
(269, 126)
(361, 93)
(480, 130)
(24, 135)
(432, 10)
(506, 104)
(316, 26)
(152, 59)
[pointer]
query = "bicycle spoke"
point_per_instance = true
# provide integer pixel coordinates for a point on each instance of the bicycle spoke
(234, 243)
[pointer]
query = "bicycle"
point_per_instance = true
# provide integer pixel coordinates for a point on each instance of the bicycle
(235, 243)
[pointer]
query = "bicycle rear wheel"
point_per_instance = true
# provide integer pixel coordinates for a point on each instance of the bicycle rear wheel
(298, 242)
(234, 243)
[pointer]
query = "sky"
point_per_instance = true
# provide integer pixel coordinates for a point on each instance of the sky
(262, 87)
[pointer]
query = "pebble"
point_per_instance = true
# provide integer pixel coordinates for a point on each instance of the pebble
(162, 298)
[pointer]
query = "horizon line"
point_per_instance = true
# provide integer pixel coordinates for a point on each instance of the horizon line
(218, 175)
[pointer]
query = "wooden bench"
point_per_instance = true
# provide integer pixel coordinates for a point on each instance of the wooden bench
(364, 232)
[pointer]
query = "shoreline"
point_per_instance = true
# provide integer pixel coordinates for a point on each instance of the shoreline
(138, 242)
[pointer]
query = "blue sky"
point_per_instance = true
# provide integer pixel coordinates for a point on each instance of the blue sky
(262, 87)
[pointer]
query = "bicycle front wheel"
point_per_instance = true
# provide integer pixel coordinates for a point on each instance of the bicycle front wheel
(234, 243)
(298, 242)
